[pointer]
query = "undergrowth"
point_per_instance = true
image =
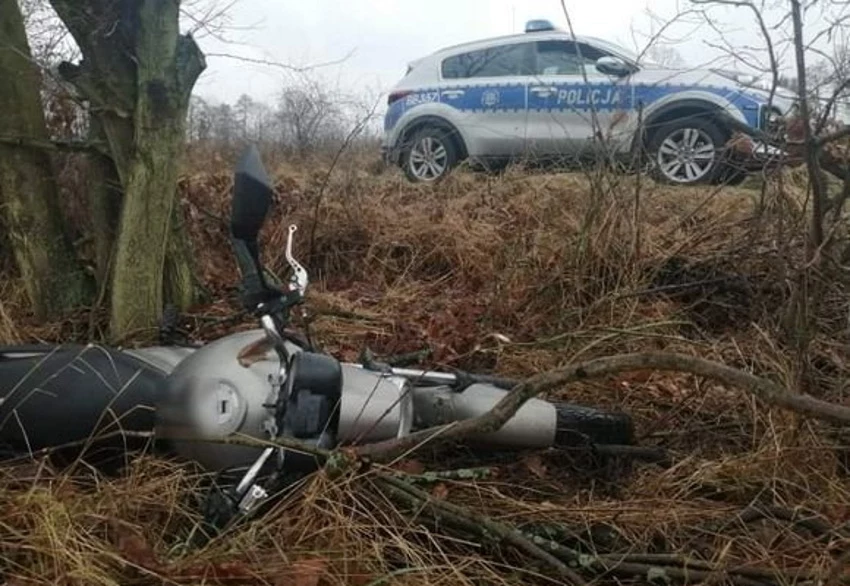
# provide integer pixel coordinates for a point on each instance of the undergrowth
(511, 274)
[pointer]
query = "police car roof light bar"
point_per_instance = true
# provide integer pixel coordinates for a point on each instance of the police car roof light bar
(538, 25)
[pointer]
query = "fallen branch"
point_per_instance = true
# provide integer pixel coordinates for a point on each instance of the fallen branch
(765, 390)
(477, 525)
(689, 564)
(462, 474)
(798, 518)
(563, 559)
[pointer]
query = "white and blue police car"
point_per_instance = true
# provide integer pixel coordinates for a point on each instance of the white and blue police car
(544, 94)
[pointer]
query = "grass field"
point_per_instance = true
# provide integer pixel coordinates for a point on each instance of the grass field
(511, 274)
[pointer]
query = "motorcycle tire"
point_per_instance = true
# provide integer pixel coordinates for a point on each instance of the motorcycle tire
(578, 425)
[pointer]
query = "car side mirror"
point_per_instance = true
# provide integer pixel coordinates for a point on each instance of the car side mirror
(613, 66)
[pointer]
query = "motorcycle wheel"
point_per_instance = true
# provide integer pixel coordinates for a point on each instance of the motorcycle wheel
(579, 425)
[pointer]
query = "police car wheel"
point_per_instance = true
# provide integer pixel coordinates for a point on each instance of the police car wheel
(431, 154)
(686, 152)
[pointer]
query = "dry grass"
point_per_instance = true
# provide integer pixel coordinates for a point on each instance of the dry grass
(564, 272)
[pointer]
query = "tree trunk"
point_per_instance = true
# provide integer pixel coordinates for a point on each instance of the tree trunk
(106, 198)
(54, 280)
(182, 289)
(138, 73)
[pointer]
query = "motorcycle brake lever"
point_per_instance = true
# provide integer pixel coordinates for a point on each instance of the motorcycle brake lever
(299, 280)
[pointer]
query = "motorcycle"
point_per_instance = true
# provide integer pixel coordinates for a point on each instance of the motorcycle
(266, 383)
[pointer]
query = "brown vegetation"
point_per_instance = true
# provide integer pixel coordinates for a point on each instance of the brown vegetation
(515, 274)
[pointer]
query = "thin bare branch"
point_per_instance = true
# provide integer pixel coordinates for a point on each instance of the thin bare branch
(280, 65)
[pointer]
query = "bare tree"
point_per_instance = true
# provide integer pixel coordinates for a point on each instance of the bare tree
(309, 114)
(793, 51)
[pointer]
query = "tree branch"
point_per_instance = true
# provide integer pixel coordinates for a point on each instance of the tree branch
(765, 390)
(831, 102)
(55, 145)
(771, 52)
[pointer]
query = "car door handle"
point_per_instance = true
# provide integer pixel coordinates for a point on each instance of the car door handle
(453, 93)
(542, 89)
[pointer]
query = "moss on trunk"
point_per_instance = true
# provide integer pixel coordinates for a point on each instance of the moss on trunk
(51, 273)
(139, 78)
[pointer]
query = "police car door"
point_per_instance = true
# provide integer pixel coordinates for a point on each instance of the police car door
(564, 94)
(486, 92)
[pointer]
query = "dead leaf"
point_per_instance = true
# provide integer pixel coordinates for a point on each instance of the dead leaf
(410, 467)
(356, 575)
(233, 572)
(535, 465)
(636, 377)
(134, 547)
(440, 491)
(306, 572)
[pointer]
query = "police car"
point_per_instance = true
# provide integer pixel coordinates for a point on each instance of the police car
(544, 94)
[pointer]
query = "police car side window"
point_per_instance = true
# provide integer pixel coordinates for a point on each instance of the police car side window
(562, 58)
(500, 61)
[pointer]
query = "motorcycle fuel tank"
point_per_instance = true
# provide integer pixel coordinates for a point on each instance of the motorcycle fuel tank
(210, 395)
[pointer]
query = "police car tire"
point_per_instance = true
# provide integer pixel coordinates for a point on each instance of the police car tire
(717, 135)
(443, 138)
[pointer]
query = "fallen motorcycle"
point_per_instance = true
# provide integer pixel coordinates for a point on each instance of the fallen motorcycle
(267, 383)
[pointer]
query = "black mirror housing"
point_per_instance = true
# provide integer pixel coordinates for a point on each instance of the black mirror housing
(252, 197)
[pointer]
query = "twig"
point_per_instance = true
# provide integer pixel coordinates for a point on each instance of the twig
(356, 130)
(632, 565)
(798, 518)
(440, 475)
(479, 525)
(685, 574)
(279, 65)
(674, 559)
(834, 577)
(768, 391)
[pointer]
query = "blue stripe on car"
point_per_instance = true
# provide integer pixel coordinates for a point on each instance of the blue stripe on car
(513, 97)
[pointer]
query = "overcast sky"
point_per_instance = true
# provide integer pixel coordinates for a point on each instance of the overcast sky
(381, 36)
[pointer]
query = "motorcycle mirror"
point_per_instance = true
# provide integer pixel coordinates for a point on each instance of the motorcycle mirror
(252, 196)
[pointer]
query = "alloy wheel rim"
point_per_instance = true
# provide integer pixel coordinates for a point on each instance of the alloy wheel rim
(686, 155)
(428, 159)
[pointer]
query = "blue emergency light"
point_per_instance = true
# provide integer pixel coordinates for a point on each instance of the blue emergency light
(538, 25)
